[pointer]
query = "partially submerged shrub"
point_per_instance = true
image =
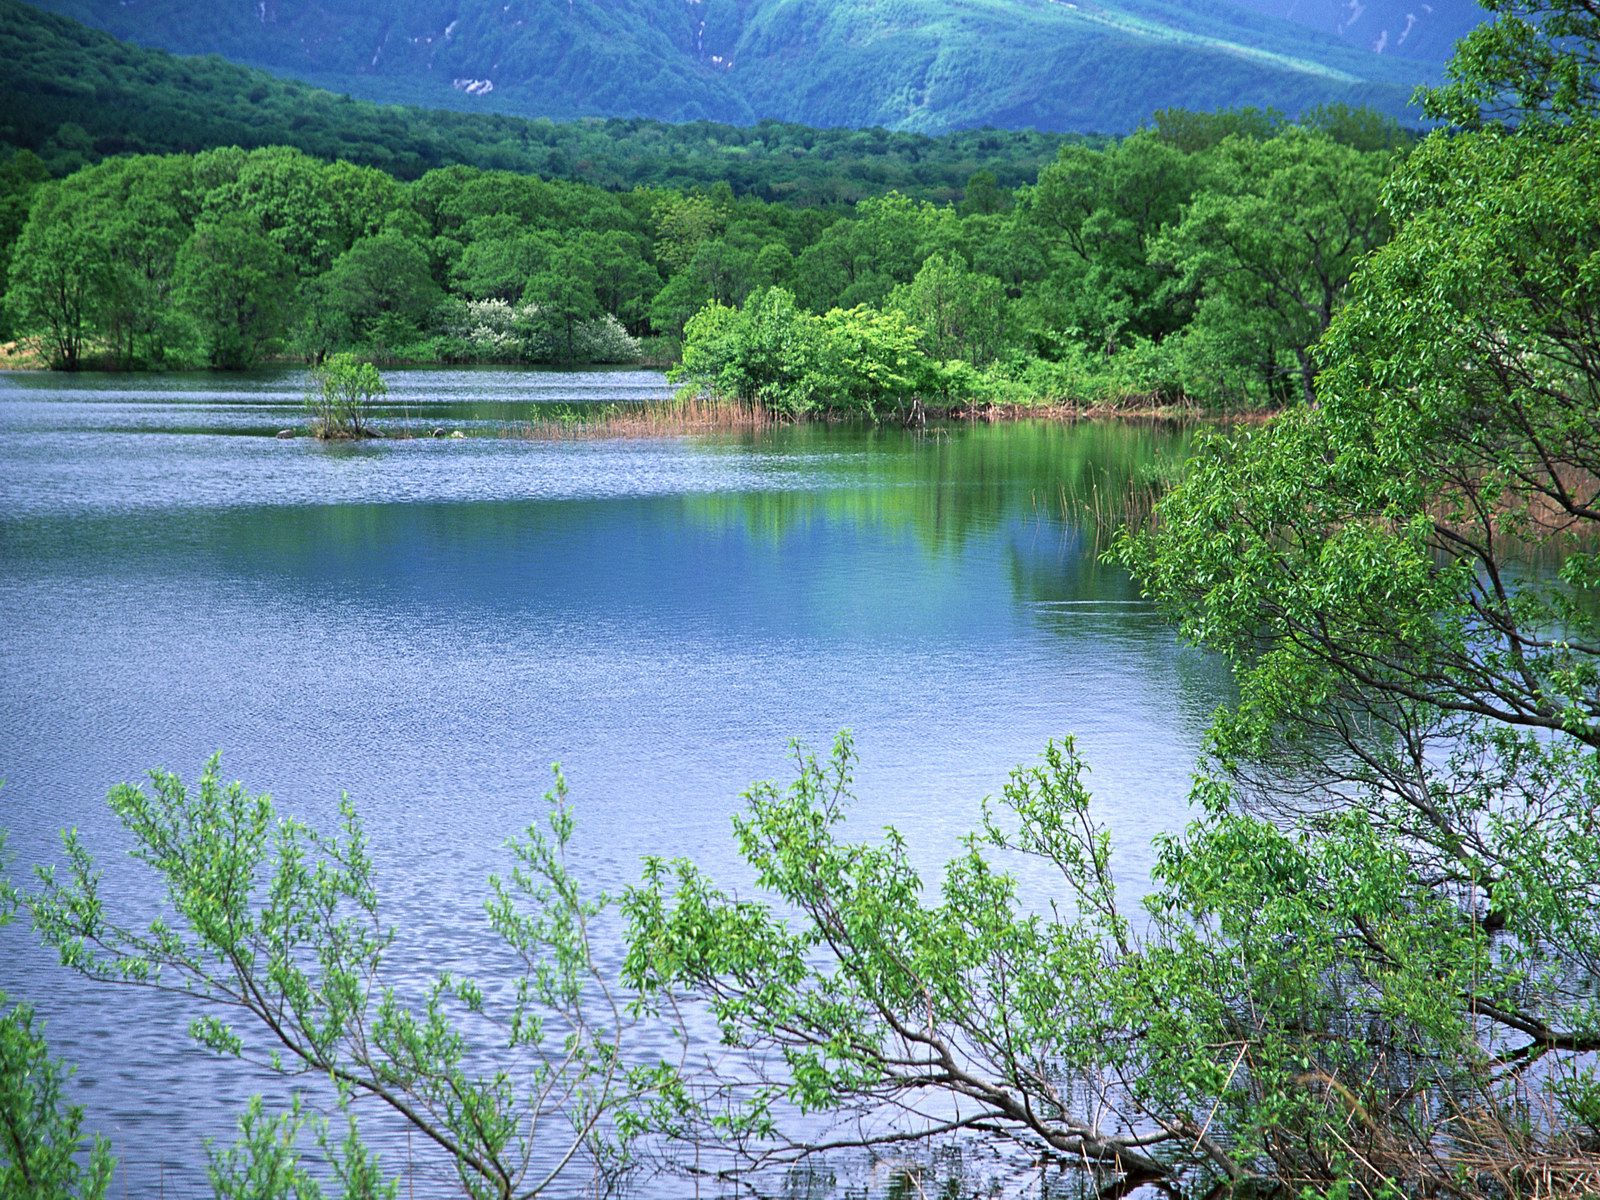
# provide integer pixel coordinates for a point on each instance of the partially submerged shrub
(343, 390)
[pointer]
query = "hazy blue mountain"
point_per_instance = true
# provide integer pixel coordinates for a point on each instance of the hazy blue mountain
(74, 95)
(1419, 29)
(903, 64)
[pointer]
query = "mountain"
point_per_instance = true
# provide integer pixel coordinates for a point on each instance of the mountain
(1405, 28)
(925, 65)
(72, 94)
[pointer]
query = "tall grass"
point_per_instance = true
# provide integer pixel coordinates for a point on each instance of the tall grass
(655, 418)
(1108, 501)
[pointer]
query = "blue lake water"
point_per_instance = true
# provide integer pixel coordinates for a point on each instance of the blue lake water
(429, 624)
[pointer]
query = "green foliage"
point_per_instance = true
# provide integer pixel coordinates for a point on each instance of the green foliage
(1537, 60)
(1142, 270)
(1267, 247)
(851, 361)
(859, 261)
(1366, 969)
(1098, 214)
(1116, 273)
(867, 361)
(1199, 1045)
(277, 925)
(565, 300)
(21, 173)
(41, 1136)
(1403, 579)
(381, 288)
(760, 354)
(264, 1164)
(343, 391)
(235, 285)
(42, 1146)
(958, 313)
(1139, 271)
(1194, 132)
(58, 272)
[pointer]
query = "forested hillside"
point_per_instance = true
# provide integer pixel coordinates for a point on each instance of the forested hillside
(916, 66)
(73, 95)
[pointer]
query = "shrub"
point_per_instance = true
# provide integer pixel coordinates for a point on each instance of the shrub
(343, 389)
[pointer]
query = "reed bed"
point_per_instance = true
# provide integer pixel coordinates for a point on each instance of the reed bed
(655, 418)
(1107, 502)
(1510, 1142)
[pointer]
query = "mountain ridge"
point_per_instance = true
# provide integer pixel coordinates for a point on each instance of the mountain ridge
(1068, 65)
(74, 95)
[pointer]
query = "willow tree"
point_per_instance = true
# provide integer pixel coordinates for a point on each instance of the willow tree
(1368, 966)
(273, 932)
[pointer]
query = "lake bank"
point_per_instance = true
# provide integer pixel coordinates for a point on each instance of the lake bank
(1005, 400)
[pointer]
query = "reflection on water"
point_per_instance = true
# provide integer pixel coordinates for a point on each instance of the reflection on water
(429, 624)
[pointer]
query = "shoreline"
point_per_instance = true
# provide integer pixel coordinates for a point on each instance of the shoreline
(710, 415)
(680, 418)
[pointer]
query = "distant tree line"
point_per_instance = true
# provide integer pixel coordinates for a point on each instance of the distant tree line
(1200, 258)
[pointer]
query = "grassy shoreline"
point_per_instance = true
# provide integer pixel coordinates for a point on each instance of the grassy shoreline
(707, 414)
(699, 415)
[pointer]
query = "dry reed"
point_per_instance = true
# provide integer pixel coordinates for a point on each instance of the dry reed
(1107, 504)
(655, 418)
(1508, 1142)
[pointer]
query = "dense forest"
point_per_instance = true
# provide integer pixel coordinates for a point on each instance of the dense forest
(1201, 258)
(73, 95)
(932, 66)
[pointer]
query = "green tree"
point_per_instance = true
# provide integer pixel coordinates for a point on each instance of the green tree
(868, 362)
(1537, 60)
(771, 352)
(1268, 245)
(1193, 132)
(1405, 580)
(984, 195)
(683, 224)
(143, 208)
(278, 926)
(564, 298)
(859, 259)
(20, 176)
(722, 270)
(958, 313)
(41, 1137)
(94, 263)
(499, 260)
(343, 391)
(624, 283)
(1366, 969)
(382, 285)
(312, 211)
(265, 1162)
(1099, 212)
(59, 271)
(235, 284)
(764, 353)
(1360, 128)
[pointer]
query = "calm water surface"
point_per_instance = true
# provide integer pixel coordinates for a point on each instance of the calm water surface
(428, 625)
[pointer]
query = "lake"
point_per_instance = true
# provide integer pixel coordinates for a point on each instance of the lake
(429, 624)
